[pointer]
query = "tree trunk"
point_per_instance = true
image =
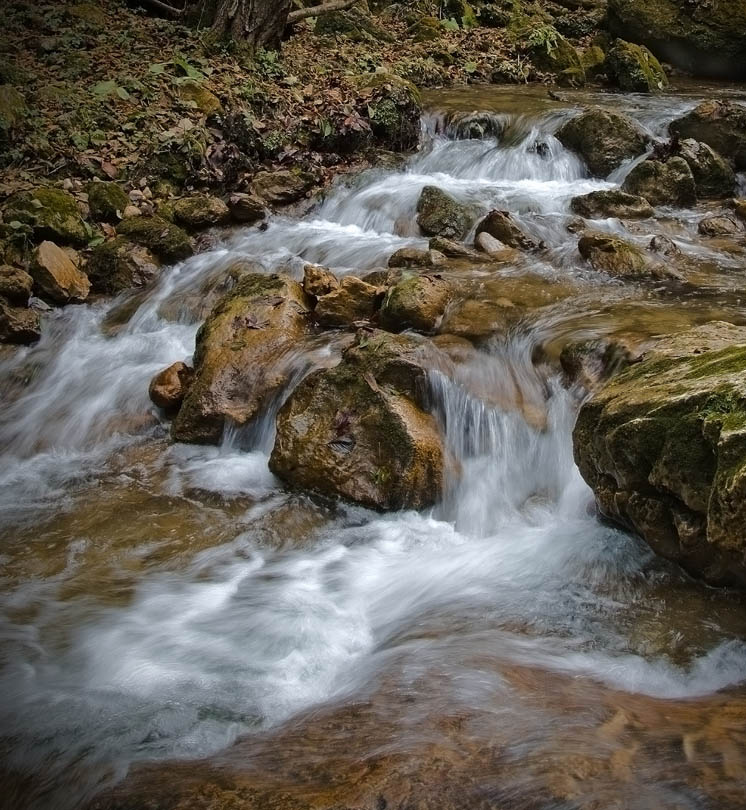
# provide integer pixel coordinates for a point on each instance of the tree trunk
(250, 23)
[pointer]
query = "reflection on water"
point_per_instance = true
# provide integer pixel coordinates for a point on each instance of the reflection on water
(161, 602)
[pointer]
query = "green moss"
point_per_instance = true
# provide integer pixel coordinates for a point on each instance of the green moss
(51, 213)
(167, 241)
(107, 201)
(634, 68)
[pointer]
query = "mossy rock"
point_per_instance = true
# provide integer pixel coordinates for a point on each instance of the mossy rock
(611, 203)
(460, 11)
(12, 112)
(107, 201)
(634, 68)
(18, 325)
(663, 183)
(604, 139)
(169, 242)
(721, 125)
(197, 213)
(119, 265)
(558, 56)
(619, 258)
(663, 446)
(492, 15)
(713, 176)
(360, 431)
(593, 60)
(705, 39)
(395, 108)
(353, 24)
(439, 214)
(51, 213)
(416, 302)
(352, 300)
(202, 99)
(426, 29)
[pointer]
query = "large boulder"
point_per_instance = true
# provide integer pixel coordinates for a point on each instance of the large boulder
(501, 226)
(663, 446)
(120, 264)
(360, 430)
(604, 139)
(634, 68)
(611, 203)
(720, 124)
(713, 175)
(56, 277)
(415, 302)
(706, 39)
(243, 356)
(18, 324)
(51, 213)
(669, 183)
(168, 241)
(438, 214)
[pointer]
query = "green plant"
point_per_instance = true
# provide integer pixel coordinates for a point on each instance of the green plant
(543, 36)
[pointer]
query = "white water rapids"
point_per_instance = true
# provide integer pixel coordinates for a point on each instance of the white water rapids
(183, 598)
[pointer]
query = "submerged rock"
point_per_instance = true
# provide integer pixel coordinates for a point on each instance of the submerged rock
(416, 302)
(51, 213)
(713, 176)
(669, 183)
(15, 284)
(56, 278)
(618, 258)
(18, 324)
(604, 139)
(169, 242)
(663, 446)
(720, 225)
(169, 387)
(243, 356)
(438, 214)
(501, 226)
(359, 431)
(612, 203)
(634, 68)
(120, 264)
(719, 124)
(107, 201)
(351, 301)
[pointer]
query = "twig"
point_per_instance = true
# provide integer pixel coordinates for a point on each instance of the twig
(317, 11)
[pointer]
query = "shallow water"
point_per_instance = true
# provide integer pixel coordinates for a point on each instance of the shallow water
(161, 602)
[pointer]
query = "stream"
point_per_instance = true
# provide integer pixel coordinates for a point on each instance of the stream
(163, 604)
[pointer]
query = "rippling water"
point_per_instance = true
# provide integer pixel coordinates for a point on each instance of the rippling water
(161, 601)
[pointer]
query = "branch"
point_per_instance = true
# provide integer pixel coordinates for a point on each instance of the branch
(171, 10)
(316, 11)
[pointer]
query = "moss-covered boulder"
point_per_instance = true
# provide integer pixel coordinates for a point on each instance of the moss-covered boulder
(360, 431)
(283, 187)
(604, 139)
(198, 212)
(663, 446)
(663, 183)
(619, 258)
(721, 125)
(107, 201)
(12, 111)
(713, 176)
(438, 214)
(634, 68)
(501, 226)
(611, 203)
(18, 325)
(460, 11)
(244, 356)
(415, 302)
(426, 29)
(15, 284)
(56, 277)
(119, 264)
(51, 213)
(394, 107)
(351, 301)
(415, 257)
(166, 240)
(593, 60)
(196, 95)
(706, 39)
(556, 55)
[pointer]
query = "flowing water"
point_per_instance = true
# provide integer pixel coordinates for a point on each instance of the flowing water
(161, 602)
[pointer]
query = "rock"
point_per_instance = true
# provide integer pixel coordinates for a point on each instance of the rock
(558, 56)
(604, 139)
(669, 183)
(480, 319)
(451, 249)
(500, 225)
(199, 97)
(663, 245)
(384, 277)
(740, 209)
(612, 203)
(51, 213)
(438, 214)
(719, 226)
(199, 212)
(703, 39)
(360, 431)
(713, 176)
(354, 24)
(460, 11)
(414, 257)
(416, 302)
(15, 284)
(494, 248)
(353, 300)
(243, 357)
(620, 259)
(107, 201)
(283, 187)
(663, 446)
(634, 68)
(56, 277)
(246, 208)
(426, 29)
(719, 124)
(590, 362)
(119, 265)
(131, 211)
(18, 324)
(12, 111)
(169, 242)
(169, 387)
(318, 281)
(593, 60)
(394, 107)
